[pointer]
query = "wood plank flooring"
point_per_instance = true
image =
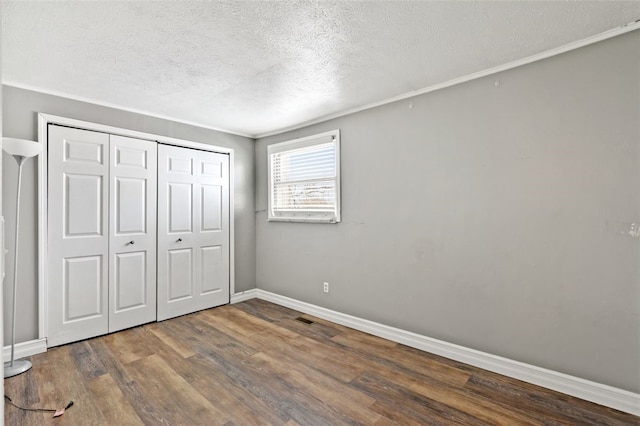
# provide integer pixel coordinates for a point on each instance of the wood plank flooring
(254, 363)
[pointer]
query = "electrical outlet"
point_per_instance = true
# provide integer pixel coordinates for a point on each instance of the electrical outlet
(325, 287)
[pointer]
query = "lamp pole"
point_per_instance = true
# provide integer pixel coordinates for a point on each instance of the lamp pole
(11, 368)
(21, 150)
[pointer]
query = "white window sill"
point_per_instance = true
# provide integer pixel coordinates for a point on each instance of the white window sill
(304, 220)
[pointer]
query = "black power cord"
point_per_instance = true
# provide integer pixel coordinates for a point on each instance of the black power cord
(57, 412)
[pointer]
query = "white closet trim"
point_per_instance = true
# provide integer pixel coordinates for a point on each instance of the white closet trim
(43, 121)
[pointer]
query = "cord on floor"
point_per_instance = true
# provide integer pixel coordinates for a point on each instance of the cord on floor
(57, 412)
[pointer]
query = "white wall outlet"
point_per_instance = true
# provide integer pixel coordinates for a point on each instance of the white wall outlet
(325, 287)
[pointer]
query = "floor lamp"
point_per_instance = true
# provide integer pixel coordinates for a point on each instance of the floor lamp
(21, 150)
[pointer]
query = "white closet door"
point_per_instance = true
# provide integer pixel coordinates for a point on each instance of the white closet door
(78, 234)
(193, 230)
(132, 252)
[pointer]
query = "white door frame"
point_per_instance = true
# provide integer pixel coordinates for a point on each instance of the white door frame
(43, 121)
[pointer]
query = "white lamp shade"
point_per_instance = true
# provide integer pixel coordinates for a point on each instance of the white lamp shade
(21, 147)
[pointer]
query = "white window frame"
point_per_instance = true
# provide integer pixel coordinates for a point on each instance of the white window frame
(304, 215)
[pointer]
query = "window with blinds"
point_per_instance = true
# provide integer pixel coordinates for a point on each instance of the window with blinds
(304, 179)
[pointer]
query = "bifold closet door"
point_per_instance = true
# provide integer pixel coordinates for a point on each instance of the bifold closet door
(193, 230)
(132, 245)
(78, 234)
(101, 233)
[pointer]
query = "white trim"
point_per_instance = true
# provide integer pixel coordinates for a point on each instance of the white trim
(43, 214)
(119, 107)
(28, 348)
(609, 396)
(632, 26)
(244, 295)
(232, 224)
(96, 127)
(43, 121)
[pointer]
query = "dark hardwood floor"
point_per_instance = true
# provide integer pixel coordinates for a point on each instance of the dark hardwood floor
(255, 363)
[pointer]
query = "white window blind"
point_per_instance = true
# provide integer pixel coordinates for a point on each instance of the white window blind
(304, 180)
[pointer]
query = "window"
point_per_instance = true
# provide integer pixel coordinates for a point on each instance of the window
(304, 179)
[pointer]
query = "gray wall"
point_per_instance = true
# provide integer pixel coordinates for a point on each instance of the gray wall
(20, 120)
(494, 217)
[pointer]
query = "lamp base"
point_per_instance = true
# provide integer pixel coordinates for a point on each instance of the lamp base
(18, 367)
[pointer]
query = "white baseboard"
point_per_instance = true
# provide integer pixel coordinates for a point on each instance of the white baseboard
(28, 348)
(244, 295)
(598, 393)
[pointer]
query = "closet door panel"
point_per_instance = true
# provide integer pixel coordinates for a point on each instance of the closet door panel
(180, 209)
(82, 205)
(193, 230)
(131, 206)
(82, 288)
(133, 190)
(130, 271)
(180, 275)
(212, 207)
(177, 198)
(213, 269)
(78, 237)
(213, 180)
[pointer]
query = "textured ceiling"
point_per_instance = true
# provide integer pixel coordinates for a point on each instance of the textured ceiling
(255, 67)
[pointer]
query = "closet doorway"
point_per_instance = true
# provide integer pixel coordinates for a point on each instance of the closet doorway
(134, 228)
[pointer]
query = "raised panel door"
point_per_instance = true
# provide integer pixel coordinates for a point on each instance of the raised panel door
(193, 230)
(78, 234)
(132, 277)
